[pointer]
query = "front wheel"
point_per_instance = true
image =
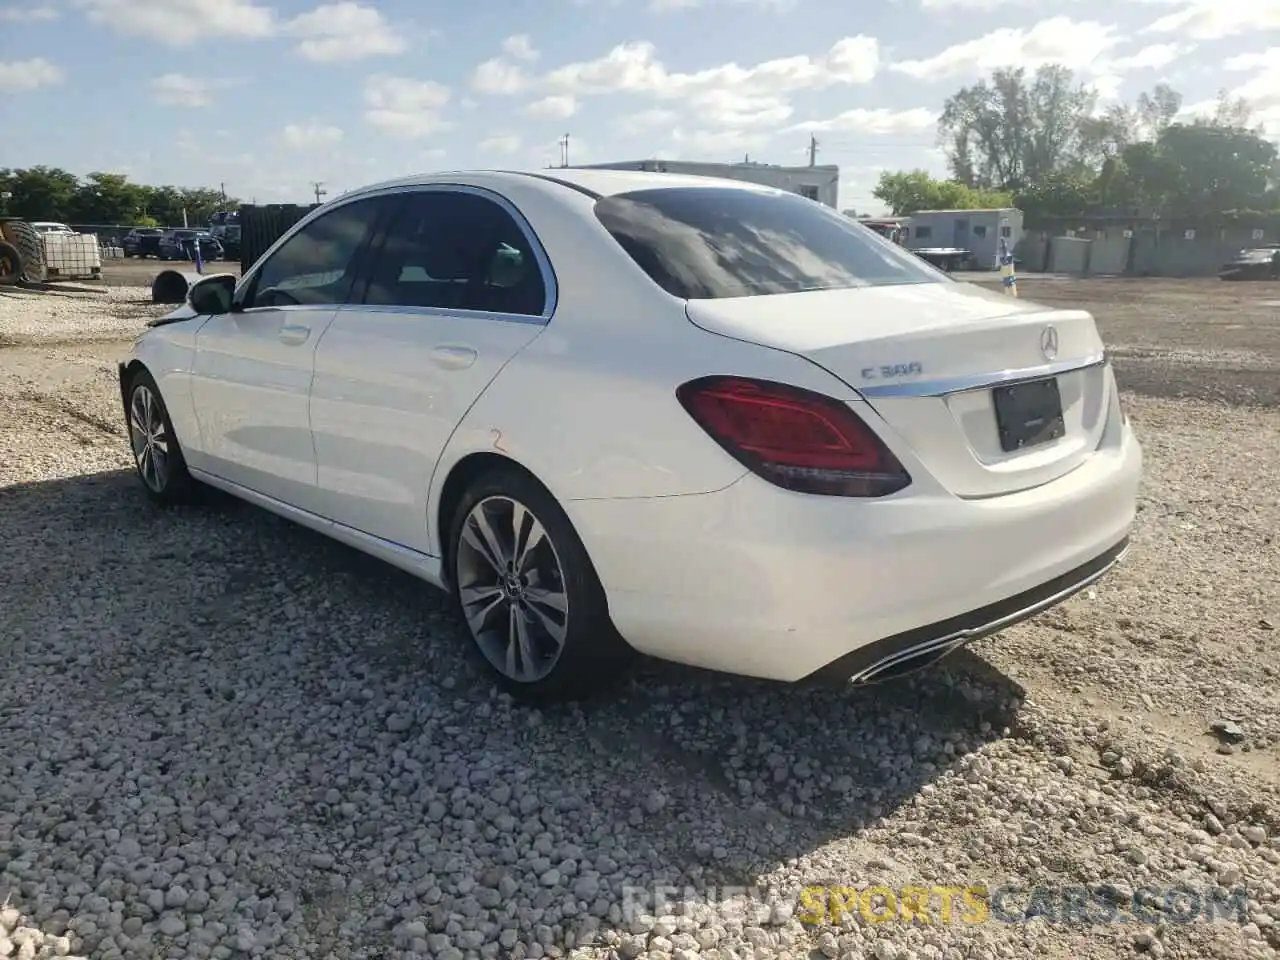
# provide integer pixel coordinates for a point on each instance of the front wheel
(156, 454)
(528, 594)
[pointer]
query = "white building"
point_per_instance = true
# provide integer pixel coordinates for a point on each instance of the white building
(978, 231)
(819, 182)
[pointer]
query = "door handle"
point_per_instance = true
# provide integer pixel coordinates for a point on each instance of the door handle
(453, 357)
(294, 334)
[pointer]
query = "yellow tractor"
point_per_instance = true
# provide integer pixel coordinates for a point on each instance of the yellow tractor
(21, 252)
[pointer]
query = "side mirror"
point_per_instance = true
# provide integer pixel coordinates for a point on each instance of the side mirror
(212, 295)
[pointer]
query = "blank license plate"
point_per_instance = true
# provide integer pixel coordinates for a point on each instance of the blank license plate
(1028, 414)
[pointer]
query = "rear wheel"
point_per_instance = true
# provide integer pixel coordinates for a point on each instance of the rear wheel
(528, 594)
(156, 454)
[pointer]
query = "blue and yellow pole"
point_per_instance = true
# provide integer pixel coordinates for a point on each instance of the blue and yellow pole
(1008, 278)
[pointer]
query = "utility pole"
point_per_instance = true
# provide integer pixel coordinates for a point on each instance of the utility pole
(564, 150)
(222, 189)
(813, 150)
(318, 187)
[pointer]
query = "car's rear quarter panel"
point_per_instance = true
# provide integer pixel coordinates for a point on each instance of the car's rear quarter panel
(590, 405)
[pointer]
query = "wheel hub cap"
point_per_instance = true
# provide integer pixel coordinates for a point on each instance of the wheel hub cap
(512, 589)
(148, 437)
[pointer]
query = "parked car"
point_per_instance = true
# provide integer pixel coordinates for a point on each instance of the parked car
(142, 242)
(225, 225)
(48, 227)
(180, 245)
(1258, 263)
(617, 411)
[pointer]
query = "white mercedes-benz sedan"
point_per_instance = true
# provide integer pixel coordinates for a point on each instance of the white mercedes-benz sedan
(609, 412)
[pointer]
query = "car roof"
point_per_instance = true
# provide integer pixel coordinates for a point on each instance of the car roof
(600, 183)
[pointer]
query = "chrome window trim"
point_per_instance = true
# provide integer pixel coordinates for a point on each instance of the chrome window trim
(550, 283)
(441, 312)
(980, 381)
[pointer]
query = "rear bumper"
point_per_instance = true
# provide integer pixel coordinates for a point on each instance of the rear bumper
(934, 641)
(757, 581)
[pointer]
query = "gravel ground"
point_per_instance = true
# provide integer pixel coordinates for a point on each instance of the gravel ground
(224, 736)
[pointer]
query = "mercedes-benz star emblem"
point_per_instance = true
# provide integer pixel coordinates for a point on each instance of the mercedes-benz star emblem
(1049, 342)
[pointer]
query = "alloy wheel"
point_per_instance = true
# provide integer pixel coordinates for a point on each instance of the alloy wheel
(149, 438)
(511, 585)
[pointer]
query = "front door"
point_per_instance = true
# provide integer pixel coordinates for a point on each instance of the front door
(456, 289)
(253, 366)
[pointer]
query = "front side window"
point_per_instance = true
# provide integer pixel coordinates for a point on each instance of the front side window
(715, 242)
(317, 264)
(454, 250)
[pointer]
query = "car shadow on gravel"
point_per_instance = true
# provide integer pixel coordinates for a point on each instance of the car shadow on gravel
(240, 621)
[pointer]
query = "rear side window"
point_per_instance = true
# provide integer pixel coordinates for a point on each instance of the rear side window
(453, 250)
(714, 242)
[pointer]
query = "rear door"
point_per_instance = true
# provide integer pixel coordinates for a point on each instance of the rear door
(456, 288)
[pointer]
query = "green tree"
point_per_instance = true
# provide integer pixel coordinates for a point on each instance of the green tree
(907, 192)
(41, 193)
(108, 198)
(1011, 130)
(48, 193)
(1057, 194)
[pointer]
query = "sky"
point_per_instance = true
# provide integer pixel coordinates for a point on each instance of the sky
(267, 98)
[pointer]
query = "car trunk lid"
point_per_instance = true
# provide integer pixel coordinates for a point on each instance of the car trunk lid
(960, 374)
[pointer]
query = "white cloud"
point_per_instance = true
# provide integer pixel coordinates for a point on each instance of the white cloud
(737, 110)
(1077, 45)
(35, 13)
(404, 107)
(556, 107)
(182, 23)
(725, 145)
(498, 76)
(876, 122)
(675, 6)
(505, 143)
(632, 124)
(1215, 20)
(180, 90)
(1152, 57)
(1254, 61)
(634, 68)
(345, 31)
(519, 47)
(17, 75)
(1107, 88)
(964, 5)
(309, 135)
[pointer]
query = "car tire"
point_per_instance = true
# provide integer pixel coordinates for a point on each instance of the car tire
(157, 455)
(537, 617)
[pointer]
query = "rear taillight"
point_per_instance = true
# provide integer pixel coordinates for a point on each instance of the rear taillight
(794, 438)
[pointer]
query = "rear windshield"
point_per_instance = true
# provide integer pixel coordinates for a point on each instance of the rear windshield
(713, 242)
